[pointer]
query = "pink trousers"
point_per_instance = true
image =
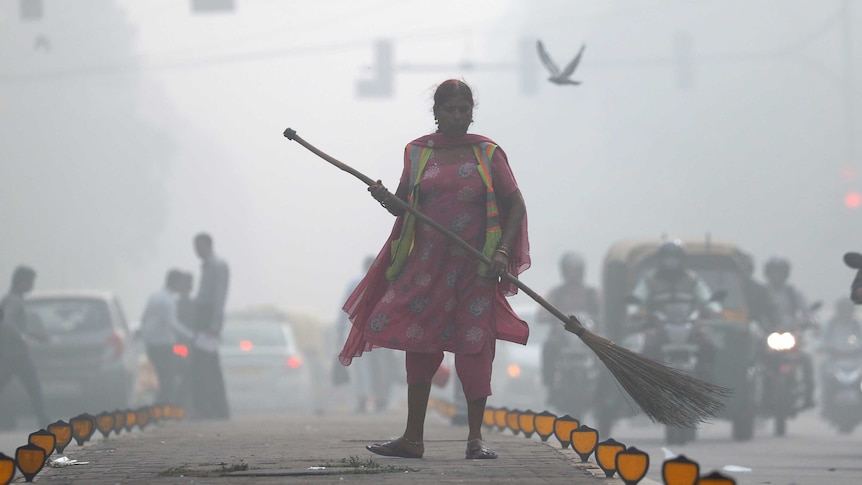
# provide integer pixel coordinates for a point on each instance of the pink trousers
(474, 370)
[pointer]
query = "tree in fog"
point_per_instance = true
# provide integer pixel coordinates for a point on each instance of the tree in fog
(83, 171)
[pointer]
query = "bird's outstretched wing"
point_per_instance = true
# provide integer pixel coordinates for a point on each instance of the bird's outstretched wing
(570, 69)
(546, 59)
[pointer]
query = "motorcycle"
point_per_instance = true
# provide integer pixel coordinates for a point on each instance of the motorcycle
(783, 370)
(573, 371)
(681, 345)
(842, 381)
(679, 350)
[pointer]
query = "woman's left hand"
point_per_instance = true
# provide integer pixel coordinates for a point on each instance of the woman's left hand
(499, 263)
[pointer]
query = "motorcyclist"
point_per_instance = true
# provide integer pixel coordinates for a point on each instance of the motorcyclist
(856, 288)
(854, 260)
(672, 282)
(792, 314)
(572, 297)
(843, 328)
(842, 335)
(757, 298)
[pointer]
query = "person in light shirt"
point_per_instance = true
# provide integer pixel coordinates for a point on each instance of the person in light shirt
(160, 330)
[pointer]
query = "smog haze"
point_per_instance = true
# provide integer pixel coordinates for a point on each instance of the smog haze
(128, 127)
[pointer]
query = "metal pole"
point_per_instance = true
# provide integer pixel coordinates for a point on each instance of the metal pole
(849, 101)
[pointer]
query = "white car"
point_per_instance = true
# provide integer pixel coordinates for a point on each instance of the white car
(264, 370)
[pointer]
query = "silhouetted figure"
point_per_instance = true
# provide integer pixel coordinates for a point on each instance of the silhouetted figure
(372, 374)
(160, 331)
(15, 360)
(757, 299)
(854, 260)
(841, 341)
(185, 304)
(209, 400)
(843, 328)
(186, 317)
(571, 297)
(792, 314)
(856, 289)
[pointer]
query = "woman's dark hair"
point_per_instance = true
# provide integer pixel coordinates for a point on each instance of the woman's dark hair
(452, 88)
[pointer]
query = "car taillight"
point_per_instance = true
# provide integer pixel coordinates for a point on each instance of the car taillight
(114, 346)
(293, 362)
(246, 345)
(181, 350)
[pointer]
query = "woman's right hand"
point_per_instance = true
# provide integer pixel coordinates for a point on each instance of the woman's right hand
(387, 199)
(379, 192)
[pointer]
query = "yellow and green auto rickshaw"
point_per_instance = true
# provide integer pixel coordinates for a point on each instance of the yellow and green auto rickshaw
(724, 267)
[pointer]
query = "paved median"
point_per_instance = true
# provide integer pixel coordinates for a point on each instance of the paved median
(312, 449)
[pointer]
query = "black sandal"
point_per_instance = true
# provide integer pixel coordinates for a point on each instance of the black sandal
(479, 451)
(395, 448)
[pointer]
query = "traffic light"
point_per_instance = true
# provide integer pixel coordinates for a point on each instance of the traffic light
(853, 200)
(852, 197)
(213, 6)
(382, 81)
(31, 9)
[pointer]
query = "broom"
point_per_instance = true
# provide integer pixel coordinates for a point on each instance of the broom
(667, 395)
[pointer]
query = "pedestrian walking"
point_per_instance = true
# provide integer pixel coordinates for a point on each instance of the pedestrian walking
(15, 360)
(424, 294)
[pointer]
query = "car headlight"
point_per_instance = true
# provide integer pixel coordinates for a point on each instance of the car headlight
(781, 341)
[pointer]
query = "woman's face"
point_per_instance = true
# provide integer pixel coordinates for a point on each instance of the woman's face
(454, 116)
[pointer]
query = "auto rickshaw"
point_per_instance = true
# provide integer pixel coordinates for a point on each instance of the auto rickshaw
(724, 268)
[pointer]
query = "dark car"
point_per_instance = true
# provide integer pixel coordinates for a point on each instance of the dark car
(90, 362)
(263, 367)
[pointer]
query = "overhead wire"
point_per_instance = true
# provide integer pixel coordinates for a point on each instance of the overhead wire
(425, 35)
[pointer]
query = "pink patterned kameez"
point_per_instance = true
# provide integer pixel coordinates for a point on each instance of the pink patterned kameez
(439, 301)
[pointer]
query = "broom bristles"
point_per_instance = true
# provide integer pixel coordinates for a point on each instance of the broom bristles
(667, 395)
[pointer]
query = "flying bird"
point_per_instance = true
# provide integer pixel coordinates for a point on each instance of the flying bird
(558, 77)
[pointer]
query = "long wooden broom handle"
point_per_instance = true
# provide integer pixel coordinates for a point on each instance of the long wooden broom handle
(570, 322)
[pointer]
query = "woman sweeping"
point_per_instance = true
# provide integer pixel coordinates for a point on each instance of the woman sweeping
(424, 294)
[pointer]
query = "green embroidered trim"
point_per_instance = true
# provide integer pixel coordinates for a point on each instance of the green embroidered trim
(403, 246)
